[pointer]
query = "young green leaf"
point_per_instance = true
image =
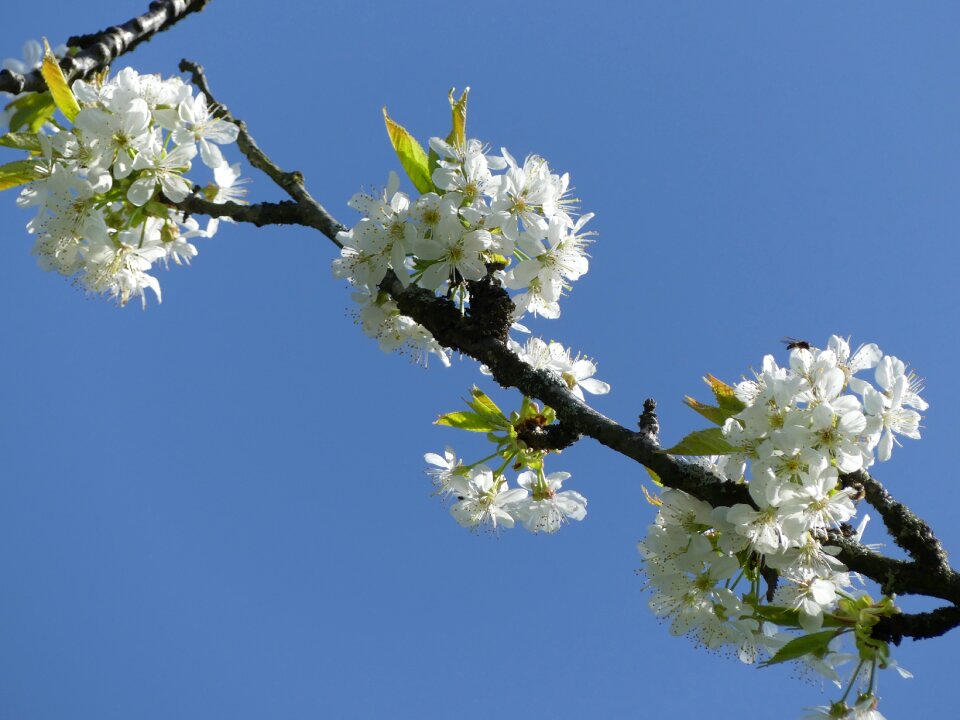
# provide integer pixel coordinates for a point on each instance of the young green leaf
(19, 172)
(703, 442)
(31, 111)
(486, 408)
(480, 400)
(458, 134)
(653, 476)
(21, 141)
(464, 420)
(726, 398)
(62, 94)
(785, 617)
(714, 414)
(814, 644)
(412, 157)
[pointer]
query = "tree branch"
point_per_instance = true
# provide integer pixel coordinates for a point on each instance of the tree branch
(482, 334)
(919, 626)
(907, 530)
(900, 577)
(97, 50)
(259, 214)
(292, 183)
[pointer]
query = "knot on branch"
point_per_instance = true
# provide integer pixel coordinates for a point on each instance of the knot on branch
(853, 482)
(649, 425)
(491, 309)
(438, 314)
(552, 438)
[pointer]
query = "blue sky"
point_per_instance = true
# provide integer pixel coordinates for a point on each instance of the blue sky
(216, 508)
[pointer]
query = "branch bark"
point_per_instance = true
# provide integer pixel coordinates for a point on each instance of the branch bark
(98, 50)
(907, 530)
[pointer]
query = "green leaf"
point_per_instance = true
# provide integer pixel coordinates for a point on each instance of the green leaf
(814, 644)
(653, 476)
(717, 416)
(724, 394)
(480, 400)
(464, 420)
(31, 111)
(17, 173)
(21, 141)
(779, 615)
(62, 94)
(791, 618)
(412, 157)
(458, 135)
(703, 442)
(487, 409)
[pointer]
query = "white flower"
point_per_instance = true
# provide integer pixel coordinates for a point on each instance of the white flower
(541, 298)
(158, 166)
(565, 258)
(116, 137)
(810, 594)
(466, 170)
(452, 250)
(229, 185)
(815, 506)
(380, 318)
(201, 126)
(693, 601)
(577, 372)
(892, 407)
(484, 499)
(122, 272)
(546, 508)
(444, 467)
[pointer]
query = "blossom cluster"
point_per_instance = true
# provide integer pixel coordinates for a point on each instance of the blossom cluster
(484, 214)
(484, 498)
(791, 435)
(103, 188)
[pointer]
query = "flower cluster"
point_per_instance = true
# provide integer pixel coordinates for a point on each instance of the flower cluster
(481, 214)
(103, 188)
(791, 433)
(484, 498)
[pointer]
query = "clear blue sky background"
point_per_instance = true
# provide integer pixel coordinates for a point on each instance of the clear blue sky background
(217, 509)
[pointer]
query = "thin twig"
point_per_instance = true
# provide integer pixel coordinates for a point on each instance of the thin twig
(312, 212)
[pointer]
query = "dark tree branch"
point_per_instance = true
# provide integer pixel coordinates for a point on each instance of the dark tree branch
(100, 49)
(919, 626)
(907, 530)
(900, 577)
(260, 214)
(312, 213)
